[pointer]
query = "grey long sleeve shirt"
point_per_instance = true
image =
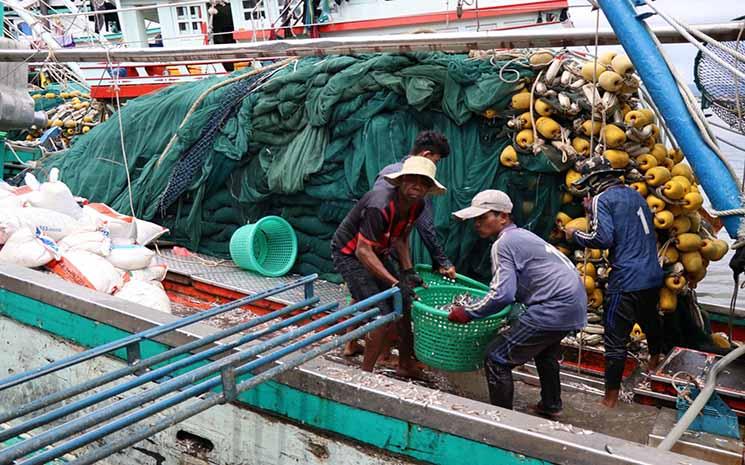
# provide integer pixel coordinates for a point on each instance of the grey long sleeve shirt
(529, 270)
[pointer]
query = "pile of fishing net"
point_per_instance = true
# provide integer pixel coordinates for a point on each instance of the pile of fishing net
(305, 138)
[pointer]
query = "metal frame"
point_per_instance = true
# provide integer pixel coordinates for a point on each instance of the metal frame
(132, 342)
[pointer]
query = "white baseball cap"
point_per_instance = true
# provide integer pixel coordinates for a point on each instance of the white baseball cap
(486, 201)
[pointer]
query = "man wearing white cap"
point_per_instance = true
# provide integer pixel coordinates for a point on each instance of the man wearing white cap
(528, 270)
(361, 250)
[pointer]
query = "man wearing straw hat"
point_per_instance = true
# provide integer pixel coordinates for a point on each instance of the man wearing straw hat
(528, 270)
(361, 250)
(434, 146)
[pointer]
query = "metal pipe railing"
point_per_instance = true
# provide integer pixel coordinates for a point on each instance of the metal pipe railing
(117, 408)
(701, 399)
(189, 393)
(59, 396)
(15, 380)
(215, 399)
(154, 375)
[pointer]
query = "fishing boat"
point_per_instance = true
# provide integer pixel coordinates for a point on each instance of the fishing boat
(268, 389)
(170, 24)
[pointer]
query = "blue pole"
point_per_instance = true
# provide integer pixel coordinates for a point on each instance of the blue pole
(14, 380)
(722, 190)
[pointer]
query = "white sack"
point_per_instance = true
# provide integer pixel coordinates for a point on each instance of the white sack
(151, 273)
(53, 195)
(147, 232)
(51, 223)
(87, 269)
(122, 228)
(97, 242)
(130, 257)
(25, 248)
(147, 293)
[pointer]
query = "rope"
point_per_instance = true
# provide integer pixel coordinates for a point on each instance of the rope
(212, 263)
(663, 251)
(275, 66)
(737, 81)
(532, 104)
(681, 30)
(121, 135)
(732, 305)
(594, 84)
(693, 109)
(732, 212)
(649, 101)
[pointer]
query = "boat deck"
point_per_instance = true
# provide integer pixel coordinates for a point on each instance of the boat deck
(581, 394)
(446, 407)
(225, 274)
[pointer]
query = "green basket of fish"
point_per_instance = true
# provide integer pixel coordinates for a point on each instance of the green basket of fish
(451, 346)
(432, 278)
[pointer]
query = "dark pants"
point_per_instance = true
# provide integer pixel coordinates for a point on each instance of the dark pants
(621, 311)
(361, 283)
(515, 346)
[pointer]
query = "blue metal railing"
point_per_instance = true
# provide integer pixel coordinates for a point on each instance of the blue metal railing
(131, 343)
(199, 381)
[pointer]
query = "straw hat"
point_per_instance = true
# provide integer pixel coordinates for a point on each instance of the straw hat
(419, 166)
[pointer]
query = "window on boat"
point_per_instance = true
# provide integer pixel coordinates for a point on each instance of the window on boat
(189, 19)
(253, 10)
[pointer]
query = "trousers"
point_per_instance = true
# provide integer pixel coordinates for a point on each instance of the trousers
(515, 346)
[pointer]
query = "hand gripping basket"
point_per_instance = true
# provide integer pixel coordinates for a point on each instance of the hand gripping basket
(432, 278)
(451, 346)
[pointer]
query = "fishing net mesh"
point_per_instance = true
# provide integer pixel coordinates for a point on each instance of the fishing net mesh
(721, 91)
(307, 142)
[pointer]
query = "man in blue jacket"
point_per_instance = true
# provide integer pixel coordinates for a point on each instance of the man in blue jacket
(622, 223)
(528, 270)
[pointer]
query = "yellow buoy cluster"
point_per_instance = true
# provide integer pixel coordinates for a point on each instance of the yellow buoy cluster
(579, 108)
(76, 115)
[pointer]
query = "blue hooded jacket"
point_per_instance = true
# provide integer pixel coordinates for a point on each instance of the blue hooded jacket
(622, 223)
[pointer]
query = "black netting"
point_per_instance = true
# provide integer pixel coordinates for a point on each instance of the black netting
(189, 164)
(720, 90)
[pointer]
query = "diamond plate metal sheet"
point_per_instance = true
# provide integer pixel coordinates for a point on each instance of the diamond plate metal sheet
(249, 283)
(195, 264)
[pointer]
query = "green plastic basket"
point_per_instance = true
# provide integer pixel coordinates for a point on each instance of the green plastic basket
(432, 278)
(451, 346)
(268, 247)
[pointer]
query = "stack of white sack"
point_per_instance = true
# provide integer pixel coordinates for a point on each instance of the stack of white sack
(43, 225)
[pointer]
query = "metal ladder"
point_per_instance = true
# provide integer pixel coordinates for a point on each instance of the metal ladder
(203, 382)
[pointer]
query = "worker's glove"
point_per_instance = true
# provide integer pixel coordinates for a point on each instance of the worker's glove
(411, 279)
(738, 262)
(458, 314)
(587, 203)
(448, 272)
(407, 294)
